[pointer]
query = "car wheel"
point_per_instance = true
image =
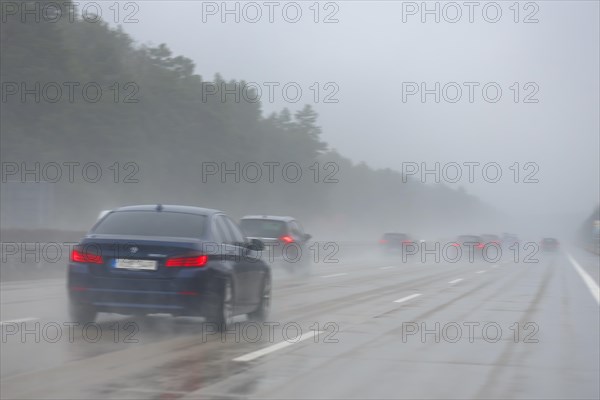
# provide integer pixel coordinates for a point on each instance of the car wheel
(82, 314)
(262, 312)
(222, 314)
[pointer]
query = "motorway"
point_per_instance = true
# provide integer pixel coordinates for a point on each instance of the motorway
(362, 328)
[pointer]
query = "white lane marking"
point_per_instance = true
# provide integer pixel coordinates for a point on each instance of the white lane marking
(587, 279)
(16, 321)
(334, 275)
(37, 282)
(481, 272)
(390, 267)
(455, 281)
(412, 296)
(278, 346)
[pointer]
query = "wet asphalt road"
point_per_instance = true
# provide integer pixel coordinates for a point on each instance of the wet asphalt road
(369, 328)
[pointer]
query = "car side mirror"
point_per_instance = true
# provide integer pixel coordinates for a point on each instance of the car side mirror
(256, 245)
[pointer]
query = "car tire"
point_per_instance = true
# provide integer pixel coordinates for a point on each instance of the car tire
(82, 314)
(262, 311)
(222, 306)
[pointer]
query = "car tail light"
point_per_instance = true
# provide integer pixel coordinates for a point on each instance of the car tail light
(383, 241)
(455, 244)
(407, 241)
(287, 239)
(85, 257)
(194, 261)
(480, 245)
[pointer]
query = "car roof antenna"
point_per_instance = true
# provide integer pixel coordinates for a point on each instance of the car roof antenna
(159, 207)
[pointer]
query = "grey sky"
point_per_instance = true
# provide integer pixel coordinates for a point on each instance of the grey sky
(371, 51)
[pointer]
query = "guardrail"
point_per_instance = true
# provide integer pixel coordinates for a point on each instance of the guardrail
(593, 247)
(35, 254)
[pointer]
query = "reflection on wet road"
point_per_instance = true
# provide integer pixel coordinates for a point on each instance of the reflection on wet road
(371, 328)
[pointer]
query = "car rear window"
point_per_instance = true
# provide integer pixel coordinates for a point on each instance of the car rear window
(490, 238)
(469, 238)
(395, 236)
(266, 228)
(152, 223)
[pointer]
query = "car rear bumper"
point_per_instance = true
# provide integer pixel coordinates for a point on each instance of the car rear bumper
(132, 302)
(188, 295)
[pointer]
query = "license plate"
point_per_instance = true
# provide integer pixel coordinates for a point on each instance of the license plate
(126, 263)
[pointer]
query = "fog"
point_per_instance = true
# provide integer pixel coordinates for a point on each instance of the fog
(371, 135)
(371, 51)
(530, 150)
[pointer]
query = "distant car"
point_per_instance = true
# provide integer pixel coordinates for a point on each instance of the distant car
(168, 259)
(284, 239)
(549, 244)
(491, 239)
(470, 244)
(395, 243)
(509, 239)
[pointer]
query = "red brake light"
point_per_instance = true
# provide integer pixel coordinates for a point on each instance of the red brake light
(83, 257)
(407, 241)
(383, 241)
(286, 239)
(195, 261)
(480, 245)
(455, 244)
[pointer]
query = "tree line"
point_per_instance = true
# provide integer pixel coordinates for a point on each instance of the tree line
(159, 139)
